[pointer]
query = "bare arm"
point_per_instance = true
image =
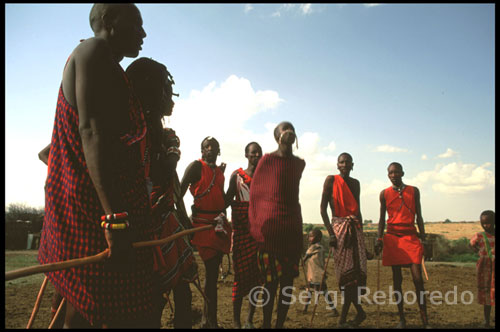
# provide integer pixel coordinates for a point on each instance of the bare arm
(326, 198)
(231, 190)
(191, 175)
(44, 154)
(356, 194)
(418, 212)
(103, 115)
(381, 220)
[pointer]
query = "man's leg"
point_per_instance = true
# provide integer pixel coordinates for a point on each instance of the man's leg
(74, 320)
(211, 276)
(487, 315)
(236, 312)
(251, 312)
(416, 272)
(271, 289)
(345, 308)
(397, 279)
(284, 299)
(182, 300)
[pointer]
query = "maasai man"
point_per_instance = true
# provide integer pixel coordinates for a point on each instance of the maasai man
(96, 196)
(174, 261)
(483, 243)
(276, 220)
(401, 244)
(342, 192)
(206, 183)
(246, 271)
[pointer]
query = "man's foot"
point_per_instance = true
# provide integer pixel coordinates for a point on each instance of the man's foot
(360, 317)
(485, 324)
(401, 324)
(343, 325)
(333, 313)
(236, 326)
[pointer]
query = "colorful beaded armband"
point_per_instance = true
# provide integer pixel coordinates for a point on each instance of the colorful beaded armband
(122, 225)
(114, 216)
(175, 150)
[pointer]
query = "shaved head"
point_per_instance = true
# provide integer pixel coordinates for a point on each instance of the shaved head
(106, 11)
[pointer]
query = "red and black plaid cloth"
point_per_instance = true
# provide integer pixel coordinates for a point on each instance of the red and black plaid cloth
(246, 271)
(274, 212)
(175, 259)
(71, 228)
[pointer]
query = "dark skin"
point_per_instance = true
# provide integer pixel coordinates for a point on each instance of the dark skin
(209, 152)
(285, 137)
(345, 166)
(395, 174)
(253, 155)
(488, 224)
(93, 83)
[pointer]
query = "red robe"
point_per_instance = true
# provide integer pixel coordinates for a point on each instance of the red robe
(211, 204)
(401, 243)
(72, 229)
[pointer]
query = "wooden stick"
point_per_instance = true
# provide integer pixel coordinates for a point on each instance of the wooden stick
(321, 284)
(167, 296)
(198, 286)
(37, 303)
(378, 288)
(94, 259)
(59, 309)
(425, 271)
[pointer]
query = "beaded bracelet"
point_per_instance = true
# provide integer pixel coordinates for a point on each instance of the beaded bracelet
(174, 150)
(108, 225)
(114, 216)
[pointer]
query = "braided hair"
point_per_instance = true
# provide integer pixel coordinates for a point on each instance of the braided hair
(148, 78)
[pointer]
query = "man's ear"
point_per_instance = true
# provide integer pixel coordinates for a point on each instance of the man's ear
(402, 174)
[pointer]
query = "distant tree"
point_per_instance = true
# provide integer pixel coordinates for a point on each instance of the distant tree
(368, 221)
(447, 221)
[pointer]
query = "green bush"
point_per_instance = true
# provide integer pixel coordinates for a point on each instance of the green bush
(454, 250)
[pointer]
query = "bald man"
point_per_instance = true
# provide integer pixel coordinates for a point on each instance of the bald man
(96, 195)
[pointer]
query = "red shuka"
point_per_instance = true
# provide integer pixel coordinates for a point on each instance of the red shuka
(212, 204)
(344, 202)
(71, 228)
(401, 243)
(274, 211)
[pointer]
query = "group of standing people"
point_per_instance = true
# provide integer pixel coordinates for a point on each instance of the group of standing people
(112, 181)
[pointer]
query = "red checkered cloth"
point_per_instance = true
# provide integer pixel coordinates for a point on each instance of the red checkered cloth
(485, 268)
(246, 270)
(71, 228)
(174, 259)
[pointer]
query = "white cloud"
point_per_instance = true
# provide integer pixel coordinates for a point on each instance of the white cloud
(331, 147)
(424, 157)
(457, 178)
(389, 148)
(303, 9)
(248, 8)
(371, 4)
(448, 154)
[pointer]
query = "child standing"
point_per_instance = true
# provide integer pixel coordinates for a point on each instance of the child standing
(483, 243)
(314, 261)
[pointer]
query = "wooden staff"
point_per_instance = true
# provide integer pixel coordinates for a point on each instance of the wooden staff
(167, 297)
(37, 303)
(59, 309)
(423, 268)
(320, 285)
(94, 259)
(378, 288)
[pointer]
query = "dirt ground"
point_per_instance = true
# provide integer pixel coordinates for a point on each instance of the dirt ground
(20, 296)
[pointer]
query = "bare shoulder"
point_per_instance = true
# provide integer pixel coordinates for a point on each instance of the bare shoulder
(92, 47)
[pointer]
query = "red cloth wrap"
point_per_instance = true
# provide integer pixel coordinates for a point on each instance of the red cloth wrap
(344, 202)
(274, 211)
(71, 228)
(401, 243)
(208, 242)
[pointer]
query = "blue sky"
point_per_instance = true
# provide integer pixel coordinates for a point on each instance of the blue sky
(412, 83)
